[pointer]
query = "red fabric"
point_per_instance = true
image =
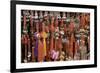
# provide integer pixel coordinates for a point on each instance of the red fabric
(40, 52)
(71, 45)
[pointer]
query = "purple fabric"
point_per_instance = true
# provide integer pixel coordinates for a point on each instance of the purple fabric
(36, 45)
(54, 54)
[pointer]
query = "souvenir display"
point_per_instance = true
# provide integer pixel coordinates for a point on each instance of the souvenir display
(51, 30)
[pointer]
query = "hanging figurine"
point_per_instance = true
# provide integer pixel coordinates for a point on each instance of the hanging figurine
(67, 49)
(26, 47)
(88, 41)
(46, 18)
(83, 49)
(46, 22)
(36, 35)
(36, 17)
(25, 35)
(29, 41)
(72, 40)
(44, 36)
(55, 51)
(58, 16)
(32, 46)
(31, 22)
(52, 34)
(64, 17)
(41, 54)
(76, 53)
(41, 16)
(24, 23)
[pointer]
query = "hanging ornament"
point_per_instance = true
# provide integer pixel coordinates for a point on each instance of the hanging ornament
(41, 16)
(64, 17)
(36, 16)
(58, 16)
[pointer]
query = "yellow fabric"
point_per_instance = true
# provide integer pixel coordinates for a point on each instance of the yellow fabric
(44, 42)
(44, 35)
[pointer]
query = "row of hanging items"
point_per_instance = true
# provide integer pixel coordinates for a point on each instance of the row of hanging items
(47, 35)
